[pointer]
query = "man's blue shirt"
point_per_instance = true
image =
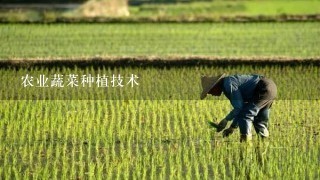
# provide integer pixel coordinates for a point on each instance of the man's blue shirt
(239, 89)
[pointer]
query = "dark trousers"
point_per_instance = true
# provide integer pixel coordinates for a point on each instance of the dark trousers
(257, 111)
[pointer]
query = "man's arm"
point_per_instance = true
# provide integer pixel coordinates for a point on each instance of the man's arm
(237, 103)
(234, 95)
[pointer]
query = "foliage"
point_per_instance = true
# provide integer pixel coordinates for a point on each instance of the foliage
(254, 10)
(228, 8)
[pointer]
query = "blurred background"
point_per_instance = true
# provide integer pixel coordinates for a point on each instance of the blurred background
(155, 10)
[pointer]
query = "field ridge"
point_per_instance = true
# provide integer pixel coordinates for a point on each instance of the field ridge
(179, 19)
(155, 61)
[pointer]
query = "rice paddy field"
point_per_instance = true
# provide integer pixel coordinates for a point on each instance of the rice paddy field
(205, 39)
(154, 127)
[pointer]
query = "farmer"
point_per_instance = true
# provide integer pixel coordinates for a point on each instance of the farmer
(251, 97)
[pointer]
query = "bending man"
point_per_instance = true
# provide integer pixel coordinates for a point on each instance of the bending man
(251, 97)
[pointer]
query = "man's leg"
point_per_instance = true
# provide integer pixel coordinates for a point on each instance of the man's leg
(260, 122)
(245, 119)
(264, 95)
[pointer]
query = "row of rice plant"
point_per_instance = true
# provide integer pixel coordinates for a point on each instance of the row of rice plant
(299, 40)
(151, 139)
(155, 138)
(148, 83)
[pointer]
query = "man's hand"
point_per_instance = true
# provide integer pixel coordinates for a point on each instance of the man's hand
(222, 124)
(228, 132)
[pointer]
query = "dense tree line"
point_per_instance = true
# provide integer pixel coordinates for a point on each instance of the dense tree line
(80, 1)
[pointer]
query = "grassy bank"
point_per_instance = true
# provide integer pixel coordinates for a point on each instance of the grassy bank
(229, 8)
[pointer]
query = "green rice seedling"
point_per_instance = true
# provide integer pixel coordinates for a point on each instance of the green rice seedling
(220, 39)
(159, 138)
